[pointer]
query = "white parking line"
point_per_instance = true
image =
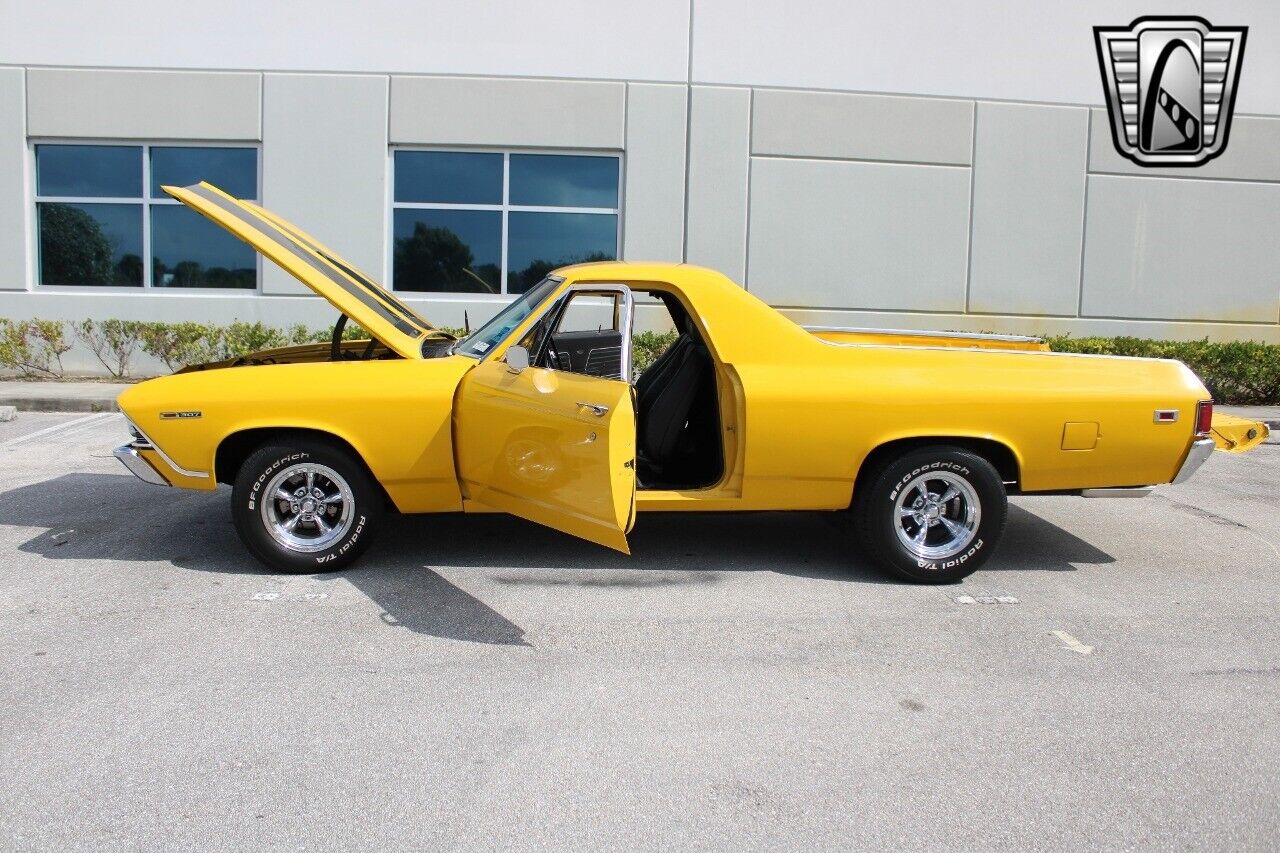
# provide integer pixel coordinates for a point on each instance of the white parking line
(59, 429)
(1072, 643)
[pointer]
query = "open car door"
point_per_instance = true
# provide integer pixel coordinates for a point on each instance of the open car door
(549, 445)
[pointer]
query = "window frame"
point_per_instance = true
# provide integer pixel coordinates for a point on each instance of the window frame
(145, 200)
(505, 208)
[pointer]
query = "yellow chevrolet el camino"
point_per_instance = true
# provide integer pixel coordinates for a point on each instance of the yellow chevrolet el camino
(919, 438)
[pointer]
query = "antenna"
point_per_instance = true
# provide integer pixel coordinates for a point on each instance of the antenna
(466, 321)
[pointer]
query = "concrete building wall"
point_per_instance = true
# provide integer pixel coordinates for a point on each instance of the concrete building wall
(963, 179)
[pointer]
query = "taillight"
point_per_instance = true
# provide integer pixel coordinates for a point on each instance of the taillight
(1204, 417)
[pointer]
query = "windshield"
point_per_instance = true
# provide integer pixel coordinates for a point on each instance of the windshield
(491, 333)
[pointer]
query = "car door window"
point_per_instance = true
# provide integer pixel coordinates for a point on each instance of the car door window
(581, 335)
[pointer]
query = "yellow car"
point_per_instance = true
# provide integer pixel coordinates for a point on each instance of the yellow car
(918, 437)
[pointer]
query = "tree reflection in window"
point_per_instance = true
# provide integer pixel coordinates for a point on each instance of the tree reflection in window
(434, 254)
(76, 248)
(491, 222)
(96, 213)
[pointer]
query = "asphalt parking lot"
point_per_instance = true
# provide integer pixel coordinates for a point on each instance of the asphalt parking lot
(1110, 680)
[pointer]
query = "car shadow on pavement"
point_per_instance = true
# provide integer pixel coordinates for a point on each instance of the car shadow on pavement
(1031, 543)
(88, 516)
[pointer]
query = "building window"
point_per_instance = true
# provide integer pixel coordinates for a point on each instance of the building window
(100, 211)
(495, 222)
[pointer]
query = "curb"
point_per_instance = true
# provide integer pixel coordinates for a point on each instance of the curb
(60, 404)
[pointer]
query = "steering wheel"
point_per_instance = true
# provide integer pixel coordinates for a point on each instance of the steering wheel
(335, 343)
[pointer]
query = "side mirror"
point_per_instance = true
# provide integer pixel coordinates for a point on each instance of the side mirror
(517, 359)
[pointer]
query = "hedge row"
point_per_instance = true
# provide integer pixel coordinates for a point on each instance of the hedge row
(1239, 372)
(34, 348)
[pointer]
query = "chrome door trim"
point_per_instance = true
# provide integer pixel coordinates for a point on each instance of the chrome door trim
(626, 312)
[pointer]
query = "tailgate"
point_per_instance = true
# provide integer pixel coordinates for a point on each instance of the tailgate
(1236, 435)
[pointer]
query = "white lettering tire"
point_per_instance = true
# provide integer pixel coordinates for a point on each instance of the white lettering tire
(304, 506)
(933, 515)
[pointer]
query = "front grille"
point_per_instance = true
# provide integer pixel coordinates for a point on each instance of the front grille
(140, 440)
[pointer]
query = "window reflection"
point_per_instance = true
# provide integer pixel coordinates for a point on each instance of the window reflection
(101, 243)
(100, 171)
(94, 244)
(234, 170)
(448, 250)
(539, 242)
(560, 180)
(190, 251)
(448, 177)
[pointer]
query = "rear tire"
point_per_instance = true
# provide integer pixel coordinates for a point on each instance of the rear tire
(304, 506)
(933, 515)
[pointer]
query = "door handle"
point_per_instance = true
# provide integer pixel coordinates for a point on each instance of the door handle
(595, 408)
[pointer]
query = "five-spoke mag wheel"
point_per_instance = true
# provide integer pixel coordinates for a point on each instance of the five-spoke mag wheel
(303, 505)
(931, 514)
(308, 507)
(938, 515)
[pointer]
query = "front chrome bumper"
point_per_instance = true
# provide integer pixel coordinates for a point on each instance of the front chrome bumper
(139, 467)
(1201, 449)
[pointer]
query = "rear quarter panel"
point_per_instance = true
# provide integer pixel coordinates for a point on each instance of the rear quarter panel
(397, 414)
(814, 421)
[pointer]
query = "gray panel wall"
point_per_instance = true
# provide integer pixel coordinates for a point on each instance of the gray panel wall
(1182, 249)
(653, 195)
(862, 127)
(143, 104)
(493, 112)
(859, 235)
(15, 198)
(1028, 208)
(324, 166)
(719, 162)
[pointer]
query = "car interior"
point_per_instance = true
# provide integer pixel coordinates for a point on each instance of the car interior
(677, 401)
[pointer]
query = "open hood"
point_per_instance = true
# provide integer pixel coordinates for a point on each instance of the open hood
(347, 289)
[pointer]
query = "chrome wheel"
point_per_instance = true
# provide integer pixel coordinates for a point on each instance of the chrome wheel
(307, 507)
(937, 515)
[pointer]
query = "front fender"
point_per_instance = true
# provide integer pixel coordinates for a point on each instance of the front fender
(397, 415)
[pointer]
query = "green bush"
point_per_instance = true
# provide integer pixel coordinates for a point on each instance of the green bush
(647, 346)
(180, 344)
(1235, 372)
(34, 348)
(113, 342)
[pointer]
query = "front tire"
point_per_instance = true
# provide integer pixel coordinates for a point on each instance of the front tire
(933, 515)
(304, 506)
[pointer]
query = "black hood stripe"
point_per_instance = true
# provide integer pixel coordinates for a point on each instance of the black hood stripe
(356, 286)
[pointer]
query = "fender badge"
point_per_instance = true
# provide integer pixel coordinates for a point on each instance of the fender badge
(179, 416)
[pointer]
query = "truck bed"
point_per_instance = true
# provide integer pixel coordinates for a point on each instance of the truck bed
(849, 336)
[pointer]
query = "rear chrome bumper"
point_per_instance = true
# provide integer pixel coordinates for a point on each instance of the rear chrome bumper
(139, 467)
(1201, 449)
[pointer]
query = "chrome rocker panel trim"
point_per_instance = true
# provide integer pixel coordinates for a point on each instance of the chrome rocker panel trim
(1121, 492)
(1201, 449)
(139, 467)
